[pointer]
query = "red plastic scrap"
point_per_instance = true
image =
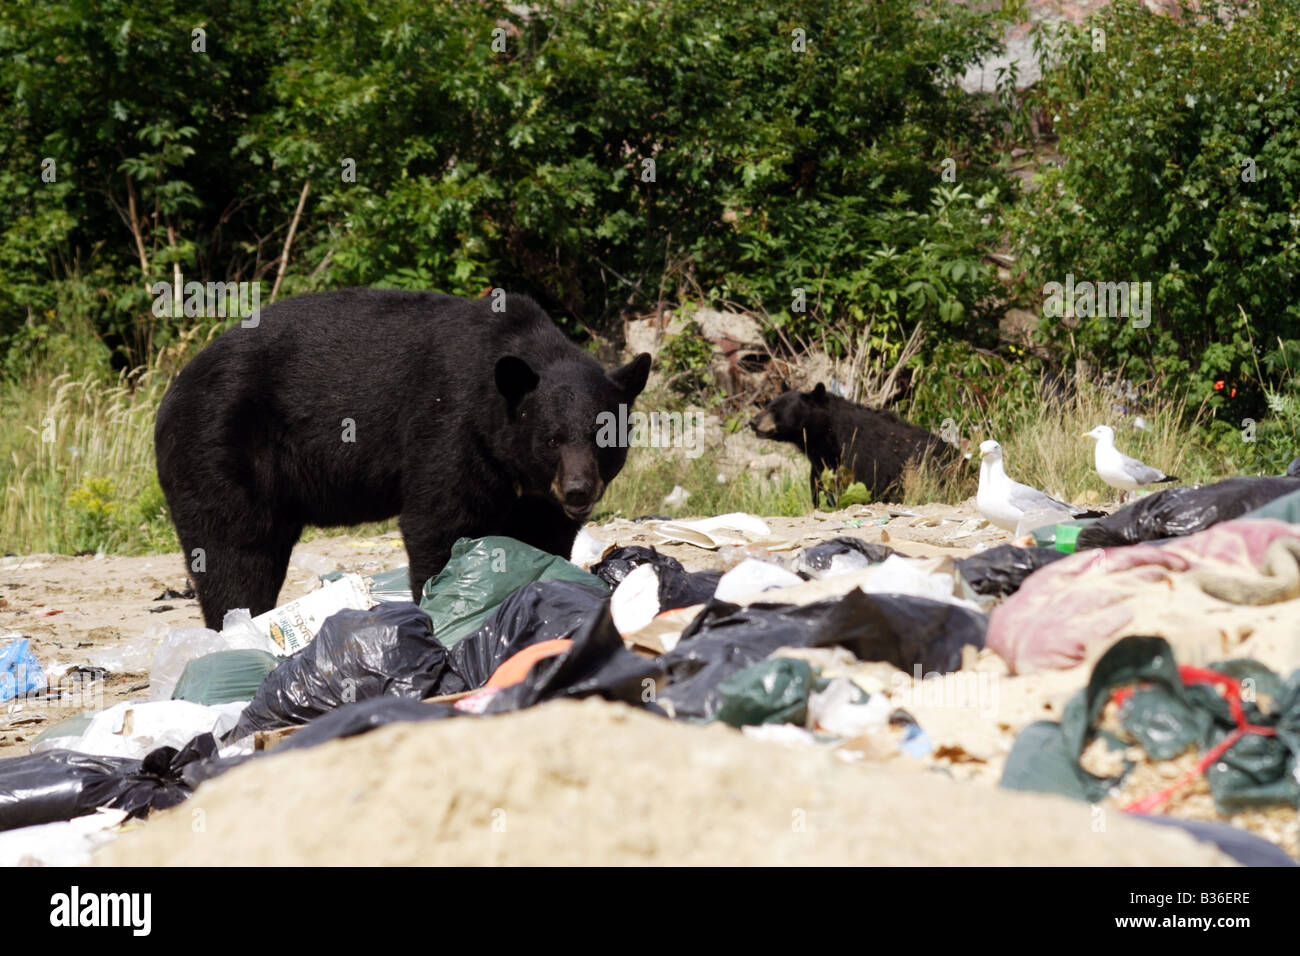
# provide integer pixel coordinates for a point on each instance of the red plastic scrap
(1231, 690)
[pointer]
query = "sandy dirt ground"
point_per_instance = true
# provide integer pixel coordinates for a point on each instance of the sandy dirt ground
(73, 609)
(77, 609)
(593, 782)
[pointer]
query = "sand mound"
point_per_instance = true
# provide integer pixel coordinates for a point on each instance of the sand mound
(598, 783)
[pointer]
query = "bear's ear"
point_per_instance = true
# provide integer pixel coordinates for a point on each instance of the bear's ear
(818, 394)
(515, 379)
(631, 377)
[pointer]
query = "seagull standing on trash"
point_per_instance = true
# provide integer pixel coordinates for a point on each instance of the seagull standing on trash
(1005, 502)
(1119, 470)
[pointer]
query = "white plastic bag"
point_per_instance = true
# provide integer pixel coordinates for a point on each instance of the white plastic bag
(183, 645)
(128, 657)
(635, 601)
(64, 843)
(751, 577)
(133, 728)
(834, 710)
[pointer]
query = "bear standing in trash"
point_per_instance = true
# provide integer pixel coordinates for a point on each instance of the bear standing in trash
(875, 445)
(462, 417)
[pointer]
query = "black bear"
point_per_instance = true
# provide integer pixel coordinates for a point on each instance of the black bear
(337, 408)
(874, 445)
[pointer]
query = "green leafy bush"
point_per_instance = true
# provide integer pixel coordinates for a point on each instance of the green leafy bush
(1182, 144)
(461, 146)
(685, 359)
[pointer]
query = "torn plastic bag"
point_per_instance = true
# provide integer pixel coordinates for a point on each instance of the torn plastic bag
(596, 665)
(386, 651)
(773, 691)
(182, 645)
(1176, 512)
(66, 731)
(1000, 571)
(541, 611)
(62, 784)
(225, 676)
(136, 728)
(839, 555)
(677, 586)
(1168, 712)
(61, 843)
(20, 671)
(394, 585)
(908, 632)
(483, 572)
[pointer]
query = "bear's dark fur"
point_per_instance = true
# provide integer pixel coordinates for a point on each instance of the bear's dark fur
(833, 432)
(344, 407)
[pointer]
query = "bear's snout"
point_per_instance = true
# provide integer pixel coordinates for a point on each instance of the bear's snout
(577, 485)
(764, 424)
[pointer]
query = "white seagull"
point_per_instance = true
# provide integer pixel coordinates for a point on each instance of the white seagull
(1008, 503)
(1119, 470)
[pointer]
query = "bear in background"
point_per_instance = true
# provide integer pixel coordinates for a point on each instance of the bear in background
(339, 408)
(875, 445)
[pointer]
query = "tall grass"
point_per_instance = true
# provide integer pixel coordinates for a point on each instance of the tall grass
(77, 464)
(78, 473)
(1041, 436)
(1043, 444)
(651, 474)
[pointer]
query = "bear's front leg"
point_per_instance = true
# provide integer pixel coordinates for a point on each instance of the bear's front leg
(429, 530)
(539, 520)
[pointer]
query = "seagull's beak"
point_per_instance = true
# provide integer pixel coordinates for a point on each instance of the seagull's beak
(1087, 435)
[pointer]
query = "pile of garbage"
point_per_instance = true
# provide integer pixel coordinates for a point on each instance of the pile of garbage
(1187, 626)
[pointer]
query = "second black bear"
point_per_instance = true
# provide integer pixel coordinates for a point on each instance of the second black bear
(344, 407)
(875, 445)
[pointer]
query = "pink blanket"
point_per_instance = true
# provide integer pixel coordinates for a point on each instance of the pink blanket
(1093, 596)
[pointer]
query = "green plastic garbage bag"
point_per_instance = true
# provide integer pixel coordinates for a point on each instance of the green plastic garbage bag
(394, 585)
(483, 572)
(224, 676)
(1166, 717)
(772, 691)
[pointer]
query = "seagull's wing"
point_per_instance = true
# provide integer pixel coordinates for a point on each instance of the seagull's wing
(1031, 500)
(1142, 474)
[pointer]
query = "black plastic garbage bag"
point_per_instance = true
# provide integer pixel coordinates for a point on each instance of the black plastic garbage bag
(843, 551)
(536, 612)
(596, 665)
(1242, 845)
(387, 651)
(1175, 512)
(362, 717)
(346, 721)
(677, 586)
(61, 784)
(1000, 571)
(908, 632)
